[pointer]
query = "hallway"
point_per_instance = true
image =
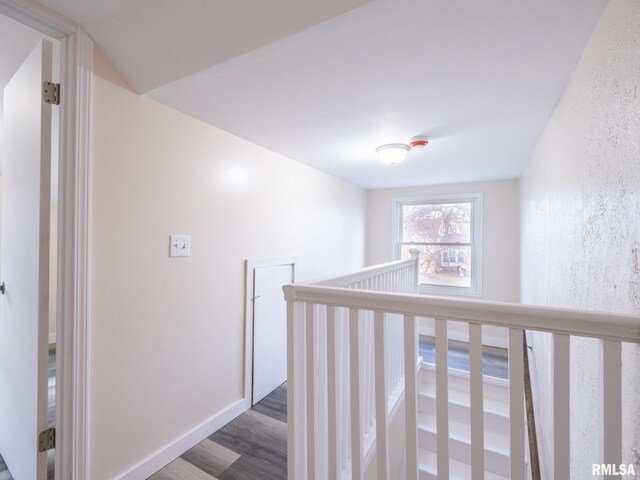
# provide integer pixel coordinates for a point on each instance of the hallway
(251, 447)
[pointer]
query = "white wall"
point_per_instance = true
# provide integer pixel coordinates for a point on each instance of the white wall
(581, 226)
(166, 335)
(501, 241)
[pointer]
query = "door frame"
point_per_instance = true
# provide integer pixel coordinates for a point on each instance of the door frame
(250, 265)
(76, 100)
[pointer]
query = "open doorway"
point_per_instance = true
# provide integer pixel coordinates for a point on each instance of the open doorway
(28, 249)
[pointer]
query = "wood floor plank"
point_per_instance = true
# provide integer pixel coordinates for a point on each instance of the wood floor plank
(180, 469)
(251, 447)
(255, 435)
(274, 405)
(211, 457)
(250, 468)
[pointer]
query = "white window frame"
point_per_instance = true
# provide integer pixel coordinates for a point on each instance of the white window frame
(476, 199)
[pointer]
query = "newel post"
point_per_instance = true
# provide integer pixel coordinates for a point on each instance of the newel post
(415, 256)
(295, 456)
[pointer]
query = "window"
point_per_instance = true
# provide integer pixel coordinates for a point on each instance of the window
(448, 232)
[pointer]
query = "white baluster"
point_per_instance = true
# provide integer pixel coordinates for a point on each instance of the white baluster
(311, 392)
(561, 413)
(345, 398)
(611, 403)
(367, 371)
(293, 465)
(408, 272)
(442, 398)
(516, 404)
(382, 397)
(415, 255)
(332, 396)
(411, 396)
(476, 384)
(395, 357)
(357, 470)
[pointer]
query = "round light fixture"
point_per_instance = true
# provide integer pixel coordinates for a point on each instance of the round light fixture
(393, 152)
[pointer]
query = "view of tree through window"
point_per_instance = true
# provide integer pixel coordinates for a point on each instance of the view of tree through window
(442, 232)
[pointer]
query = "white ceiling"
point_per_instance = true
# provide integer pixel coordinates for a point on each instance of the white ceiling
(480, 78)
(153, 42)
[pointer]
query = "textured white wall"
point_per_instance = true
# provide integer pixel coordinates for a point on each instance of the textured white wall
(581, 226)
(167, 335)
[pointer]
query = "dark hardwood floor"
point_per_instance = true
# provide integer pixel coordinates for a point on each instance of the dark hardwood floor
(251, 447)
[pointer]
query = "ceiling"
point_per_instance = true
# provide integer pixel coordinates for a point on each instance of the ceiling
(153, 42)
(480, 79)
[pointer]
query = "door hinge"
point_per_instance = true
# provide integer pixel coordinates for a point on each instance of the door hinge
(47, 440)
(51, 93)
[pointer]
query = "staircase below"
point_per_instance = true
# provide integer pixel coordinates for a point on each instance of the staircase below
(496, 424)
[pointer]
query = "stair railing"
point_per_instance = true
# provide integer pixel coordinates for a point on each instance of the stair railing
(340, 334)
(338, 343)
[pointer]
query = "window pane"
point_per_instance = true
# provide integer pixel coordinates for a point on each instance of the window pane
(437, 223)
(450, 266)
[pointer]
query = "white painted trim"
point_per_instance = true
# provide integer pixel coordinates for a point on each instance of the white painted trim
(36, 16)
(173, 450)
(250, 265)
(76, 80)
(52, 338)
(477, 253)
(359, 275)
(569, 321)
(76, 122)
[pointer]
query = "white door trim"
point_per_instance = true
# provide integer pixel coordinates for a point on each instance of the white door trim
(76, 99)
(250, 265)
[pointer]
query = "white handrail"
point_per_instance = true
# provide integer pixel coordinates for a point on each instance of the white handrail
(352, 340)
(341, 342)
(583, 323)
(359, 275)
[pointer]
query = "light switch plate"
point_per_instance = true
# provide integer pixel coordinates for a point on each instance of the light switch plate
(180, 246)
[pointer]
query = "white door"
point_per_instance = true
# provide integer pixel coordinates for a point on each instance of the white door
(24, 266)
(269, 329)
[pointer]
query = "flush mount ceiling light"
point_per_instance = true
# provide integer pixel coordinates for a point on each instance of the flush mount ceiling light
(392, 153)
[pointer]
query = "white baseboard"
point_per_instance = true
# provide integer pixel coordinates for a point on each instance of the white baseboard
(52, 338)
(167, 454)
